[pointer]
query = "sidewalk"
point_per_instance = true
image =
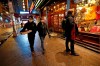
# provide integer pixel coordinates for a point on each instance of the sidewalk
(5, 33)
(16, 52)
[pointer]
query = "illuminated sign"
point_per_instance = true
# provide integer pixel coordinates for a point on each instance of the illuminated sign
(38, 3)
(24, 12)
(32, 6)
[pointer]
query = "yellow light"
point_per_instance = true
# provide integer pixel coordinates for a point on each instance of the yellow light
(23, 7)
(23, 0)
(58, 5)
(54, 7)
(93, 1)
(63, 3)
(7, 12)
(86, 4)
(79, 8)
(44, 8)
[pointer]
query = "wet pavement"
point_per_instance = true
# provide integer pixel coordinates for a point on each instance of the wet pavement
(16, 52)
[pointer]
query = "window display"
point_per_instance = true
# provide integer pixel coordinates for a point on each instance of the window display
(87, 16)
(52, 20)
(61, 17)
(56, 20)
(92, 26)
(57, 12)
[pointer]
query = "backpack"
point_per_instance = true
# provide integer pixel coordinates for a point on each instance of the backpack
(63, 25)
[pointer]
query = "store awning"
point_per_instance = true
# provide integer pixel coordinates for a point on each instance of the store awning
(42, 3)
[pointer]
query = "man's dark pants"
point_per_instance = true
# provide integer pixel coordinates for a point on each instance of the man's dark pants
(68, 39)
(31, 42)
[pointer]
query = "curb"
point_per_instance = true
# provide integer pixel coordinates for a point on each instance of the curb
(4, 39)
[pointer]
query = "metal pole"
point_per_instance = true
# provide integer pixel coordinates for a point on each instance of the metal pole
(47, 15)
(11, 10)
(14, 27)
(68, 5)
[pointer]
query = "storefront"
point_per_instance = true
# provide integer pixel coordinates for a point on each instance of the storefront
(55, 16)
(56, 13)
(88, 20)
(87, 16)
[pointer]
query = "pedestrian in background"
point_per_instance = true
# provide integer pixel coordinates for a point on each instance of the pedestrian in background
(71, 31)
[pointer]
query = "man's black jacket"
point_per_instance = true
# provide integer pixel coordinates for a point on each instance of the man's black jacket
(67, 26)
(42, 29)
(30, 26)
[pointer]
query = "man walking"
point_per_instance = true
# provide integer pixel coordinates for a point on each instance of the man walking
(30, 29)
(43, 30)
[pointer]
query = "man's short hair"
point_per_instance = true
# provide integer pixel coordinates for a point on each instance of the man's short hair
(69, 12)
(31, 17)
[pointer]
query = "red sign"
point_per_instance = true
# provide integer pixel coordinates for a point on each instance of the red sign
(95, 29)
(98, 12)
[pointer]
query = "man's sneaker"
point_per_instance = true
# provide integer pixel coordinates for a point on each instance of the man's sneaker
(43, 51)
(32, 52)
(68, 50)
(74, 54)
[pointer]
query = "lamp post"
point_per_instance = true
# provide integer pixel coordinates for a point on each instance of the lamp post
(11, 10)
(68, 5)
(14, 27)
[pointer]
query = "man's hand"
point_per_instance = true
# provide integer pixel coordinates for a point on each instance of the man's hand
(29, 31)
(26, 32)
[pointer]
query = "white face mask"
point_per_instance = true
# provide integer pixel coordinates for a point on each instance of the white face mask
(30, 20)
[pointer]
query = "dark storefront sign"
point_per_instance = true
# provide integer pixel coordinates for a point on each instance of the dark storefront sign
(16, 15)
